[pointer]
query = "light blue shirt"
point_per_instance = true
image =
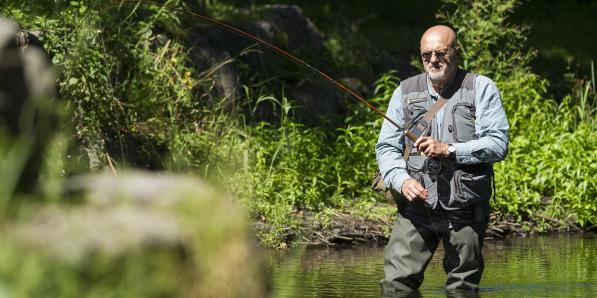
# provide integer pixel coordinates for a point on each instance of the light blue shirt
(489, 146)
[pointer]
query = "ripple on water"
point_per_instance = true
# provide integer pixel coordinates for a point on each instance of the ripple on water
(546, 266)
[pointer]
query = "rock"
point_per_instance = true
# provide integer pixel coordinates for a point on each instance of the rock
(25, 74)
(315, 102)
(27, 82)
(134, 235)
(290, 21)
(286, 27)
(218, 66)
(106, 231)
(283, 25)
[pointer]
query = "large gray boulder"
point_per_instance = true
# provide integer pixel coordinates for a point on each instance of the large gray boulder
(133, 235)
(218, 66)
(284, 26)
(288, 20)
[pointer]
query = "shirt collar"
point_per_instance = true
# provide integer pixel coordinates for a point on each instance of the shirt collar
(430, 89)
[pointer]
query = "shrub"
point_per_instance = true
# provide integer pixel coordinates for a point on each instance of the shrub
(551, 160)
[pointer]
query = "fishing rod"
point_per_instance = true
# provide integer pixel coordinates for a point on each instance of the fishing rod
(295, 59)
(281, 52)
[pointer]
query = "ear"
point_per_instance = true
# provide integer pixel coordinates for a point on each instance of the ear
(458, 51)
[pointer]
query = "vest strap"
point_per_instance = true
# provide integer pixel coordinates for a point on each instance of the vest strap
(423, 124)
(462, 79)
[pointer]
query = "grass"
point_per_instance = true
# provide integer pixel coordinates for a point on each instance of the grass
(136, 100)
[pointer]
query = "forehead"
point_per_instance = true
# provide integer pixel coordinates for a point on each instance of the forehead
(431, 42)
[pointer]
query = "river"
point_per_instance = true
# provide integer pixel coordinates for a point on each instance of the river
(562, 265)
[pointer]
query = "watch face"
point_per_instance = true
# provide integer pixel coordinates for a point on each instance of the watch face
(451, 148)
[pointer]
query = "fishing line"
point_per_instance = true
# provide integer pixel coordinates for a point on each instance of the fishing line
(287, 55)
(279, 51)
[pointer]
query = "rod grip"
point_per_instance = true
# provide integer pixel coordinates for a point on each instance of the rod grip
(411, 135)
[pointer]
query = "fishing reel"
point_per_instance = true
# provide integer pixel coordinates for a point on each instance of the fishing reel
(432, 166)
(427, 165)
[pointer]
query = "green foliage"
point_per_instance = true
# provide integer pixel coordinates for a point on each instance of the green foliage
(490, 45)
(135, 99)
(125, 76)
(31, 277)
(14, 153)
(281, 170)
(552, 150)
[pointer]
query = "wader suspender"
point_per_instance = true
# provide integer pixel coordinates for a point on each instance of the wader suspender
(424, 123)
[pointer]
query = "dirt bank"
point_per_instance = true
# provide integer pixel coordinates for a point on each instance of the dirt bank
(342, 227)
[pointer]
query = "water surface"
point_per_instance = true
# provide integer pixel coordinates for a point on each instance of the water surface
(546, 266)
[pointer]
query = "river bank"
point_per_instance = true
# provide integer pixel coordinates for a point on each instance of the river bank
(342, 227)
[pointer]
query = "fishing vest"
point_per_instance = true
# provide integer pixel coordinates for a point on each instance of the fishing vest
(457, 186)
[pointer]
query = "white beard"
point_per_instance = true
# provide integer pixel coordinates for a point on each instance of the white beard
(437, 75)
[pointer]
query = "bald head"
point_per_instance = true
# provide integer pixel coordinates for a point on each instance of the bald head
(439, 36)
(440, 54)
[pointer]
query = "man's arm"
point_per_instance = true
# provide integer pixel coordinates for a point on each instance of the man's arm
(389, 146)
(491, 127)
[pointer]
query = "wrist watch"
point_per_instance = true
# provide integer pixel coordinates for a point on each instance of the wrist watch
(452, 151)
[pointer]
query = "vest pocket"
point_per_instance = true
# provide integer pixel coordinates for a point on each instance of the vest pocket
(470, 188)
(411, 101)
(417, 109)
(463, 122)
(414, 167)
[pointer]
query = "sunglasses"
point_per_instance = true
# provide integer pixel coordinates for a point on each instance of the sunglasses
(438, 54)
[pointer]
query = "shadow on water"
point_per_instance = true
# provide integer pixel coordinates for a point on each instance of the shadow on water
(544, 266)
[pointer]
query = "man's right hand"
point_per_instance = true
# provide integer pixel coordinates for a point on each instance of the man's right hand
(413, 190)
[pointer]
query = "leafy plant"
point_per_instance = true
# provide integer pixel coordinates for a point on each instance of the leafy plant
(545, 171)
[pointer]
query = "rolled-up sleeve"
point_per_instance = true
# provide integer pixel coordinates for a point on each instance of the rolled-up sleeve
(491, 127)
(389, 146)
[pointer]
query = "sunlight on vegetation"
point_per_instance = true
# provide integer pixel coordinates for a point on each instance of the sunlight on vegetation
(135, 100)
(553, 145)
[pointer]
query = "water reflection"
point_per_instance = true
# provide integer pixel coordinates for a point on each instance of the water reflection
(548, 266)
(418, 294)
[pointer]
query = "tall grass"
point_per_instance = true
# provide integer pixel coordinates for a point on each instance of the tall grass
(282, 170)
(136, 100)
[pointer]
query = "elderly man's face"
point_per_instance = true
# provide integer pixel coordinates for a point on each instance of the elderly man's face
(438, 55)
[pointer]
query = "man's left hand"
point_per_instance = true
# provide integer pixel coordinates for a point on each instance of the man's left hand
(431, 147)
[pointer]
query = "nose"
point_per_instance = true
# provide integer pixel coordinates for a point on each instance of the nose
(433, 58)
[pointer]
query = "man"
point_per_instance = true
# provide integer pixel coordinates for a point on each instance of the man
(445, 201)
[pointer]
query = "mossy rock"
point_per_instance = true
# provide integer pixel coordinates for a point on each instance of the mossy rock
(133, 235)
